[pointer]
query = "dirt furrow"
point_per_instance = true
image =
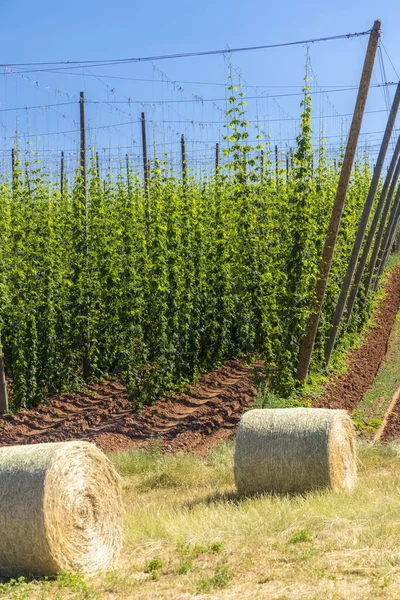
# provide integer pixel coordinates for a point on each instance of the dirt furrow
(207, 413)
(347, 390)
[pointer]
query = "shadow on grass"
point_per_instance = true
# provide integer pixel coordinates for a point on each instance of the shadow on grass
(237, 499)
(216, 498)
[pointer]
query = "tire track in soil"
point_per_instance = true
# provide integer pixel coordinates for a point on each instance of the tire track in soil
(208, 411)
(346, 391)
(196, 420)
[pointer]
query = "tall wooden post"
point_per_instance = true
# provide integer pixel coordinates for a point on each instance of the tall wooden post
(287, 168)
(83, 149)
(362, 227)
(3, 385)
(144, 151)
(13, 176)
(385, 238)
(385, 213)
(276, 165)
(216, 158)
(183, 156)
(86, 357)
(360, 269)
(28, 182)
(62, 174)
(128, 173)
(333, 228)
(388, 238)
(98, 167)
(262, 163)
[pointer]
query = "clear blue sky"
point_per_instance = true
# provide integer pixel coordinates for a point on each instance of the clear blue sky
(85, 30)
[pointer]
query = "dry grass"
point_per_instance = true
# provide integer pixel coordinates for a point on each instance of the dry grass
(189, 536)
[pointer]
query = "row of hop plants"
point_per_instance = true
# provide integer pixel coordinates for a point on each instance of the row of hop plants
(161, 285)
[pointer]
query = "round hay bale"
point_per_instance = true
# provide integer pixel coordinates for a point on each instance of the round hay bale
(288, 450)
(60, 509)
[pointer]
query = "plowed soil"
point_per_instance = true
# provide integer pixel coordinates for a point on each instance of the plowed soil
(196, 420)
(209, 410)
(345, 391)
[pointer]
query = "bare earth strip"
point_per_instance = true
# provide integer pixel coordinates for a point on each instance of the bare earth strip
(347, 390)
(196, 420)
(209, 410)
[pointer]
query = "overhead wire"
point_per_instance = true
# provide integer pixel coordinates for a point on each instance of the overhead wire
(103, 62)
(187, 122)
(390, 60)
(153, 102)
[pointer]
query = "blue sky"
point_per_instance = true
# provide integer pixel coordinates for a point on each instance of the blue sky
(85, 30)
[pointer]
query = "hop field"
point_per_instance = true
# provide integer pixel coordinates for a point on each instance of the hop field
(159, 283)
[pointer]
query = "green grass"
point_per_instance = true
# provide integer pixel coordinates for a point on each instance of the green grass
(319, 545)
(189, 535)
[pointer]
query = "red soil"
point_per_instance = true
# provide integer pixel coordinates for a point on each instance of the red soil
(196, 420)
(209, 410)
(345, 391)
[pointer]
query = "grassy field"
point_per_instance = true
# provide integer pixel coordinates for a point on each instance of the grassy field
(188, 535)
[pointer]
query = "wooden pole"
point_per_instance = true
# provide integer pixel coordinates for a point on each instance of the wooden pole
(287, 168)
(98, 166)
(145, 159)
(183, 153)
(333, 228)
(385, 213)
(62, 174)
(86, 358)
(388, 238)
(276, 165)
(83, 148)
(362, 227)
(3, 385)
(262, 164)
(371, 233)
(28, 182)
(13, 170)
(216, 158)
(128, 174)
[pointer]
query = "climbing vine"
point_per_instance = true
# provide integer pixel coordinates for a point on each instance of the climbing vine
(159, 285)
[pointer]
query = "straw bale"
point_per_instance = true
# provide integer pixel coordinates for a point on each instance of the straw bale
(294, 450)
(60, 509)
